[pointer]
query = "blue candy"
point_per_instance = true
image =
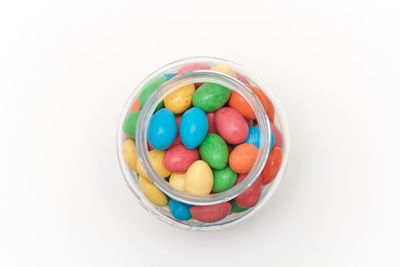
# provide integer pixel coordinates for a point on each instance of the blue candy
(169, 75)
(162, 129)
(179, 210)
(193, 127)
(253, 137)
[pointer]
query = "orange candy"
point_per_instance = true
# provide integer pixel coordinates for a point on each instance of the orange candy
(265, 101)
(243, 157)
(273, 165)
(236, 101)
(136, 105)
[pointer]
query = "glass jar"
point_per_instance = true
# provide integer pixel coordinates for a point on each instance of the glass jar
(198, 70)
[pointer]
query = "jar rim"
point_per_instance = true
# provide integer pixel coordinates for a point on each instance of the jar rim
(201, 76)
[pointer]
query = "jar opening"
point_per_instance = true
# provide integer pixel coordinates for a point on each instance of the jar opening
(203, 76)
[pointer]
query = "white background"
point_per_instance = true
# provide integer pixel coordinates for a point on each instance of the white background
(67, 67)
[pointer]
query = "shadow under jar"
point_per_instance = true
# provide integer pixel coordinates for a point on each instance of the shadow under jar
(133, 146)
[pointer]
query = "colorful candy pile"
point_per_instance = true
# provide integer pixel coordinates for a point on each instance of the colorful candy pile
(204, 139)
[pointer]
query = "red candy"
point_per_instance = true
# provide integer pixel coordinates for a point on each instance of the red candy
(242, 78)
(211, 122)
(231, 125)
(273, 165)
(265, 101)
(250, 197)
(277, 134)
(212, 213)
(193, 66)
(178, 158)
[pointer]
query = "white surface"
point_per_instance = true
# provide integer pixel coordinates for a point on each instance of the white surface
(67, 68)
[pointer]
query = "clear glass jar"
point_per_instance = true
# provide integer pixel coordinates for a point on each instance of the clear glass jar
(233, 77)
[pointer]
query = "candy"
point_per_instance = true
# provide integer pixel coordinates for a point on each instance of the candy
(178, 158)
(273, 165)
(193, 127)
(153, 194)
(236, 208)
(211, 122)
(265, 101)
(149, 88)
(253, 137)
(224, 68)
(211, 213)
(277, 135)
(129, 125)
(193, 66)
(238, 103)
(130, 154)
(210, 97)
(156, 158)
(169, 75)
(242, 78)
(214, 151)
(136, 106)
(179, 210)
(231, 125)
(199, 178)
(250, 197)
(223, 179)
(177, 181)
(162, 129)
(243, 157)
(181, 99)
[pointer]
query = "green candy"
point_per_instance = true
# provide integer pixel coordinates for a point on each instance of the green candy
(214, 151)
(130, 124)
(149, 88)
(211, 96)
(236, 208)
(223, 179)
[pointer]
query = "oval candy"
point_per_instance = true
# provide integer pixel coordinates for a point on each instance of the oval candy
(210, 97)
(231, 125)
(129, 125)
(199, 178)
(214, 151)
(250, 197)
(179, 210)
(224, 68)
(223, 179)
(237, 102)
(130, 154)
(181, 99)
(156, 158)
(193, 127)
(265, 101)
(243, 157)
(273, 165)
(211, 213)
(177, 181)
(277, 135)
(254, 136)
(162, 129)
(149, 88)
(178, 158)
(153, 194)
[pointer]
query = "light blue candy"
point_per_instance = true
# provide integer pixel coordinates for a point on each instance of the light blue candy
(169, 75)
(162, 129)
(254, 136)
(193, 127)
(179, 210)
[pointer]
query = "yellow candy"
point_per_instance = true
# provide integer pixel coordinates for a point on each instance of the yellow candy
(157, 161)
(199, 178)
(177, 181)
(130, 154)
(181, 99)
(225, 69)
(152, 192)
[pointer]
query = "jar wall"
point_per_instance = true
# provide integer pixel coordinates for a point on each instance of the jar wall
(276, 126)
